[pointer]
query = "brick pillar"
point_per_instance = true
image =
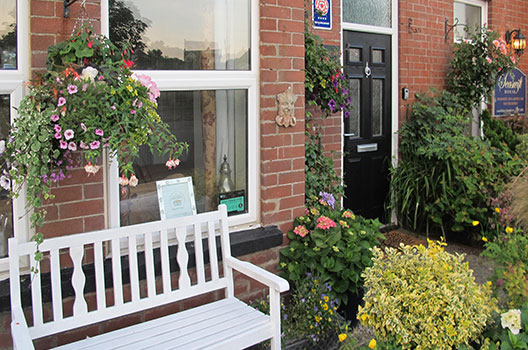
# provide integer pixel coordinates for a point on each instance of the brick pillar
(282, 149)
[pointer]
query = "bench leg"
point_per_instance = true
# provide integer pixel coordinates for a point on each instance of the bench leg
(275, 315)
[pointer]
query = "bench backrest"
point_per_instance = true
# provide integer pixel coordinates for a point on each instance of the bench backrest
(139, 245)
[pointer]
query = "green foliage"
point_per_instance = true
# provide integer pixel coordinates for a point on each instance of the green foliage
(86, 101)
(424, 298)
(325, 84)
(475, 65)
(320, 174)
(499, 135)
(333, 243)
(501, 336)
(521, 148)
(444, 177)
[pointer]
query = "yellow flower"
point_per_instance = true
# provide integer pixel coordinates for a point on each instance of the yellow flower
(342, 337)
(489, 283)
(311, 327)
(325, 307)
(475, 222)
(130, 88)
(497, 210)
(326, 299)
(316, 282)
(509, 229)
(372, 344)
(317, 319)
(364, 317)
(484, 239)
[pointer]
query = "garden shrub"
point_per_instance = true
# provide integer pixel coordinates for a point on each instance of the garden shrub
(424, 298)
(445, 177)
(331, 242)
(498, 134)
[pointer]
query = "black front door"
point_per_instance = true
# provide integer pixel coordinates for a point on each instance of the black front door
(367, 148)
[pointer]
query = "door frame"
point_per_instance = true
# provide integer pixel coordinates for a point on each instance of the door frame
(395, 102)
(393, 33)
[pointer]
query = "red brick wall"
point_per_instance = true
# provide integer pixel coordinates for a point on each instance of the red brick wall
(282, 149)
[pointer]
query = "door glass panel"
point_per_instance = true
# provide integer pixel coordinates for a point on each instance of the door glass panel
(6, 208)
(353, 122)
(214, 124)
(171, 35)
(377, 107)
(8, 35)
(377, 56)
(468, 15)
(354, 54)
(370, 12)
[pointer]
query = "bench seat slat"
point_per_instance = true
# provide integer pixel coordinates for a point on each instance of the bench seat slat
(211, 323)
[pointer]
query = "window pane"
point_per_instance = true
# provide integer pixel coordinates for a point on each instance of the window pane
(370, 12)
(214, 124)
(8, 44)
(171, 35)
(377, 107)
(354, 54)
(471, 18)
(352, 125)
(6, 209)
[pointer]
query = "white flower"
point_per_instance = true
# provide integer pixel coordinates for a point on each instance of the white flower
(89, 73)
(512, 320)
(133, 181)
(123, 181)
(2, 146)
(91, 169)
(172, 163)
(5, 183)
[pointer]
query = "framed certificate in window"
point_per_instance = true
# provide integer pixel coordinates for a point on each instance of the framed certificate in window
(176, 198)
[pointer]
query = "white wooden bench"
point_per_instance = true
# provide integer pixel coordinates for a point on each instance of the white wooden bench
(225, 324)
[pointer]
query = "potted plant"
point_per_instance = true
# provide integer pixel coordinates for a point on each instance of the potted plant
(87, 100)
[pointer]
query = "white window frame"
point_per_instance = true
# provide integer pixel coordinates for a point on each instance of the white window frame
(206, 80)
(12, 84)
(478, 3)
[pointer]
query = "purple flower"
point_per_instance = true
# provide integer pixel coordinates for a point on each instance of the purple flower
(327, 198)
(303, 300)
(113, 107)
(63, 144)
(344, 91)
(54, 117)
(68, 134)
(72, 146)
(99, 132)
(94, 144)
(57, 128)
(349, 100)
(347, 114)
(72, 89)
(332, 105)
(61, 101)
(58, 135)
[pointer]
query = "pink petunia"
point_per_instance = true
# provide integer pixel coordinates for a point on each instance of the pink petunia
(61, 101)
(72, 89)
(68, 134)
(57, 128)
(94, 144)
(84, 87)
(133, 111)
(99, 132)
(83, 126)
(83, 145)
(63, 144)
(54, 117)
(72, 146)
(488, 59)
(58, 135)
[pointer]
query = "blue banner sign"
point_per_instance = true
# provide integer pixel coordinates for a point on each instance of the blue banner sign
(322, 14)
(510, 93)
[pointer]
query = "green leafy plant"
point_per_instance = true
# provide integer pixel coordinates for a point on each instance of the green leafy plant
(511, 331)
(475, 65)
(424, 298)
(325, 84)
(500, 135)
(87, 100)
(445, 177)
(331, 242)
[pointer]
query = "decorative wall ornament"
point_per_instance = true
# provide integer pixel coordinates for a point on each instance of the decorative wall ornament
(286, 116)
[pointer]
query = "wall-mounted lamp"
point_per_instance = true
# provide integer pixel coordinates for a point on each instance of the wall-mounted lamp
(517, 40)
(449, 28)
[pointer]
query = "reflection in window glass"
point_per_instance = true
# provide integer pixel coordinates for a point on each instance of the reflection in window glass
(214, 124)
(171, 35)
(8, 39)
(353, 120)
(354, 55)
(6, 209)
(377, 107)
(471, 18)
(370, 12)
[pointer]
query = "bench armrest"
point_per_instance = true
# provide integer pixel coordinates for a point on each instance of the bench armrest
(20, 331)
(271, 280)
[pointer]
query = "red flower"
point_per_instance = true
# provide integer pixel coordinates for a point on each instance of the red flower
(129, 63)
(90, 44)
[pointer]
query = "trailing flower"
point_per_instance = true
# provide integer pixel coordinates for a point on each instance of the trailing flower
(87, 100)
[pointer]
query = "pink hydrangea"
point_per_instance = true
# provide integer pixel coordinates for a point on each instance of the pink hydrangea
(324, 223)
(301, 230)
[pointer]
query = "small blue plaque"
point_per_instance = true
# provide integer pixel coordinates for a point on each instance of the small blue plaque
(322, 14)
(510, 93)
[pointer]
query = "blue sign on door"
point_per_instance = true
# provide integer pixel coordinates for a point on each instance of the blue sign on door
(510, 93)
(322, 14)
